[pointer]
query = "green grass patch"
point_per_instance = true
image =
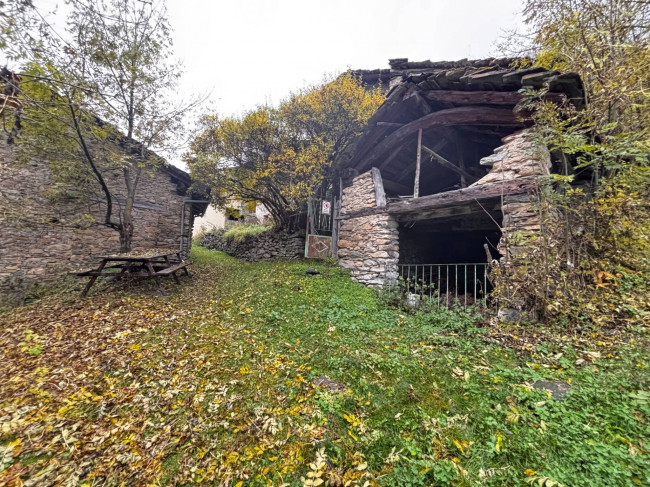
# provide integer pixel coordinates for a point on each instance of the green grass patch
(218, 385)
(241, 232)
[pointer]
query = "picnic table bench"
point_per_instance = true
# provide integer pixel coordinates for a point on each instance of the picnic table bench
(149, 264)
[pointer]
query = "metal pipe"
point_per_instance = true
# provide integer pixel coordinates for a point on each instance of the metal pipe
(185, 201)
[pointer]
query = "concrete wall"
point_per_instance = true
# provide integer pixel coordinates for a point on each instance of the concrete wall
(42, 237)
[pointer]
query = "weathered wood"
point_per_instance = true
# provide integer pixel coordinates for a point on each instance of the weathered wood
(335, 228)
(475, 115)
(393, 106)
(389, 124)
(380, 194)
(464, 180)
(508, 98)
(439, 145)
(172, 269)
(461, 196)
(449, 165)
(418, 157)
(396, 187)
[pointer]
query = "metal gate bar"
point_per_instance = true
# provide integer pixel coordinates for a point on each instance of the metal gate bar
(440, 283)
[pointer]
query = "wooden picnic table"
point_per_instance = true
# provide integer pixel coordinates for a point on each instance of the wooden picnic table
(148, 264)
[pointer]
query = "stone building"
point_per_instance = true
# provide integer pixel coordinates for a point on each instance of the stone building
(44, 234)
(445, 173)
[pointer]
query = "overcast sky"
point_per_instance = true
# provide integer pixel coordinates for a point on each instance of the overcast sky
(249, 52)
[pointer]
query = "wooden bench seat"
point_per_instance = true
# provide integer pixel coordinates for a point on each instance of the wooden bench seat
(172, 269)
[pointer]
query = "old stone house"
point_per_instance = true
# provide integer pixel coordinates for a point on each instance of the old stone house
(445, 172)
(44, 233)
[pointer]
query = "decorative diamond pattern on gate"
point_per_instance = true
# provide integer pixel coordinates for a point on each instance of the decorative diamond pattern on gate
(319, 246)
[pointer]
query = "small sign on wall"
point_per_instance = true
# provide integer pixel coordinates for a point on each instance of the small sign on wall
(326, 207)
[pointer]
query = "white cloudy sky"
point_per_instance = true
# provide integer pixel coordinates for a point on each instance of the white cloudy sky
(248, 52)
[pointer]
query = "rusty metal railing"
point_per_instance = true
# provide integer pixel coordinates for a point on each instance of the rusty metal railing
(447, 284)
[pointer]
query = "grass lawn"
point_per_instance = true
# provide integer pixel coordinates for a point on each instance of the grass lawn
(259, 374)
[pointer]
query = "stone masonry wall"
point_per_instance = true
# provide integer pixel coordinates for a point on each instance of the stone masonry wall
(519, 157)
(42, 238)
(264, 246)
(368, 245)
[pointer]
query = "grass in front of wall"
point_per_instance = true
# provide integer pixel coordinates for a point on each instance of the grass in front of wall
(218, 385)
(239, 232)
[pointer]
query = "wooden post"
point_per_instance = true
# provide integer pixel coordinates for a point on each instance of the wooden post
(380, 194)
(461, 162)
(416, 187)
(335, 228)
(307, 229)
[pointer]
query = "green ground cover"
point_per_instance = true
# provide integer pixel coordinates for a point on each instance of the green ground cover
(259, 374)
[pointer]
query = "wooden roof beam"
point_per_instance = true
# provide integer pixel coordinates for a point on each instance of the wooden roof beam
(414, 207)
(509, 98)
(470, 115)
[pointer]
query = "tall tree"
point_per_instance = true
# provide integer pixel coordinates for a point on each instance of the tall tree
(104, 93)
(596, 265)
(607, 43)
(281, 156)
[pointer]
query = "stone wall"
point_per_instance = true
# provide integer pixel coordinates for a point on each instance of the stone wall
(521, 156)
(263, 246)
(44, 235)
(368, 245)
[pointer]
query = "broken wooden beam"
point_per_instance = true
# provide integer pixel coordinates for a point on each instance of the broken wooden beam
(448, 164)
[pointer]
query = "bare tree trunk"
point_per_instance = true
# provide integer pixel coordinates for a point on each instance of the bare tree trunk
(126, 225)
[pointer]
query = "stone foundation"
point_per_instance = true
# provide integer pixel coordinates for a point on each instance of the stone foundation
(264, 246)
(368, 245)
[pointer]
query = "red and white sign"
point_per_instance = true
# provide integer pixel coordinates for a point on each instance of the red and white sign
(326, 208)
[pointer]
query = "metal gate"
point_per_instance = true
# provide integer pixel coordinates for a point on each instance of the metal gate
(447, 284)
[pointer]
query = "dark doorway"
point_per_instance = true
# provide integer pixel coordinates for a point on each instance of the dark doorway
(446, 259)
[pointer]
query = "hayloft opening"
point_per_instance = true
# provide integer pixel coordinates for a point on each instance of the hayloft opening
(450, 159)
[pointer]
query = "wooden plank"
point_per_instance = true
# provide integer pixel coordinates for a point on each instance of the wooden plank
(380, 194)
(389, 124)
(449, 165)
(470, 115)
(508, 98)
(461, 196)
(393, 154)
(418, 158)
(172, 269)
(335, 228)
